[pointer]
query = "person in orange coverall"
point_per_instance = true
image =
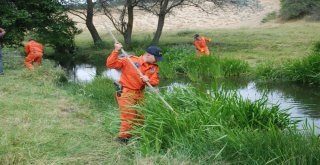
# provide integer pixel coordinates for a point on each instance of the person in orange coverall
(132, 85)
(201, 45)
(34, 51)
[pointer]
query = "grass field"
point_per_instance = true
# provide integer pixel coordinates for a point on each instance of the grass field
(270, 43)
(44, 121)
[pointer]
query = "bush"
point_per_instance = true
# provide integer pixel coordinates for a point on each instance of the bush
(269, 16)
(293, 9)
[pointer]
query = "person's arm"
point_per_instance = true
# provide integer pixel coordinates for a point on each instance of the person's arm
(154, 77)
(113, 61)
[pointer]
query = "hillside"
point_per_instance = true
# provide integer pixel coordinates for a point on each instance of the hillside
(190, 18)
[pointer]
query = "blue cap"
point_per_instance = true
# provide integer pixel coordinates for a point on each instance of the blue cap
(157, 52)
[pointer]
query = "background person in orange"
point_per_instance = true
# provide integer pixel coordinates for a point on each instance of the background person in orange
(132, 84)
(34, 51)
(201, 45)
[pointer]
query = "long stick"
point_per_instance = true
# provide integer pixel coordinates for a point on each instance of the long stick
(139, 72)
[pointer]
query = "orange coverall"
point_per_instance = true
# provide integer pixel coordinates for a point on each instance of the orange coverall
(201, 46)
(132, 91)
(34, 51)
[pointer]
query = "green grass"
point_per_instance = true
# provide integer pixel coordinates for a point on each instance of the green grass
(305, 70)
(223, 128)
(271, 43)
(43, 123)
(269, 17)
(46, 121)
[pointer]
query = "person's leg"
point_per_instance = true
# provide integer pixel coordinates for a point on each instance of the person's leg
(1, 65)
(29, 60)
(127, 114)
(38, 59)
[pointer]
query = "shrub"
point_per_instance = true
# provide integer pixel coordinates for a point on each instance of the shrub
(293, 9)
(269, 17)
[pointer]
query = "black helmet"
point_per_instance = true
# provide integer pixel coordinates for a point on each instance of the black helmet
(196, 36)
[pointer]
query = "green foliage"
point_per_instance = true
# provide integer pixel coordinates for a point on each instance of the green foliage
(268, 71)
(234, 67)
(44, 20)
(316, 48)
(269, 17)
(200, 68)
(293, 9)
(181, 60)
(101, 91)
(222, 127)
(306, 70)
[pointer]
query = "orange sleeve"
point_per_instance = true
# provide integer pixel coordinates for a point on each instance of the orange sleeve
(154, 77)
(27, 48)
(114, 62)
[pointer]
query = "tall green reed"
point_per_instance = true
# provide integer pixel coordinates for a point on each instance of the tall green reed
(220, 126)
(306, 70)
(201, 112)
(182, 60)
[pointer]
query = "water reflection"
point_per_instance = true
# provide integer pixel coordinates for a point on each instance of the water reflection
(303, 101)
(82, 73)
(301, 107)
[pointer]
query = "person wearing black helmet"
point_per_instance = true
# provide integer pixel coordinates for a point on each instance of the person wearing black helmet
(201, 45)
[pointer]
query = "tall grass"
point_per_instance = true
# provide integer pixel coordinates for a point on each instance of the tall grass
(222, 127)
(305, 70)
(181, 60)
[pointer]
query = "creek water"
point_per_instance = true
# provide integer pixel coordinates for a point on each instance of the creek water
(302, 102)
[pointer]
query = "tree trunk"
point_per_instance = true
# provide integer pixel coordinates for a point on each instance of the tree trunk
(157, 35)
(89, 22)
(161, 18)
(128, 33)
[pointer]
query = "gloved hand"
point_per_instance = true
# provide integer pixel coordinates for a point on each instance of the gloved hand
(202, 50)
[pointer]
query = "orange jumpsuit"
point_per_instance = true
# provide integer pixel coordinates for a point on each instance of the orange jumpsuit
(201, 46)
(132, 91)
(34, 51)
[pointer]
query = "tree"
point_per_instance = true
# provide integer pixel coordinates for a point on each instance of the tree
(84, 11)
(46, 20)
(124, 23)
(162, 8)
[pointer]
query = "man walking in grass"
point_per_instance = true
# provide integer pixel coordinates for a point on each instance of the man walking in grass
(201, 45)
(2, 32)
(34, 51)
(132, 85)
